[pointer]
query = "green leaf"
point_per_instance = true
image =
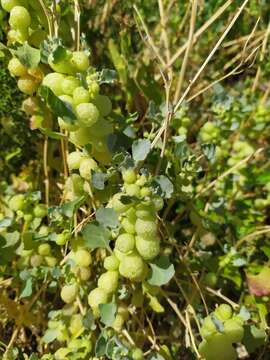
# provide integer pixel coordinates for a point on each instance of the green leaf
(89, 321)
(50, 335)
(140, 149)
(162, 271)
(98, 180)
(69, 208)
(28, 56)
(96, 236)
(107, 76)
(107, 217)
(163, 186)
(6, 222)
(52, 134)
(209, 151)
(59, 107)
(11, 238)
(100, 347)
(28, 288)
(107, 313)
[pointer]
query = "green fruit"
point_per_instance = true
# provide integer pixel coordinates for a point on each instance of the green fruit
(145, 211)
(44, 249)
(76, 324)
(93, 88)
(67, 99)
(8, 5)
(119, 255)
(208, 328)
(111, 263)
(77, 184)
(87, 114)
(210, 279)
(69, 84)
(54, 82)
(63, 67)
(62, 238)
(16, 68)
(82, 257)
(19, 36)
(80, 61)
(17, 202)
(128, 225)
(125, 243)
(147, 249)
(145, 191)
(132, 267)
(86, 166)
(51, 261)
(74, 159)
(96, 297)
(30, 105)
(19, 18)
(129, 176)
(137, 354)
(218, 347)
(36, 260)
(223, 312)
(233, 330)
(69, 293)
(104, 105)
(80, 95)
(40, 210)
(27, 85)
(132, 190)
(117, 205)
(108, 281)
(84, 273)
(146, 228)
(118, 322)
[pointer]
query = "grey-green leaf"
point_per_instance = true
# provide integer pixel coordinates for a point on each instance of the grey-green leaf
(162, 271)
(96, 236)
(28, 56)
(107, 313)
(107, 217)
(140, 149)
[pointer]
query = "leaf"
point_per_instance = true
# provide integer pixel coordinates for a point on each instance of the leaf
(163, 186)
(107, 313)
(69, 208)
(107, 217)
(98, 180)
(162, 271)
(244, 313)
(253, 338)
(100, 347)
(50, 335)
(96, 236)
(259, 285)
(107, 76)
(6, 222)
(28, 56)
(11, 238)
(155, 356)
(59, 107)
(52, 134)
(209, 151)
(89, 321)
(218, 323)
(140, 149)
(28, 288)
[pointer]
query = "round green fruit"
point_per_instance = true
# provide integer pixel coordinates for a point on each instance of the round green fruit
(80, 95)
(76, 324)
(96, 297)
(146, 228)
(147, 249)
(54, 82)
(129, 176)
(86, 166)
(40, 210)
(223, 312)
(233, 330)
(132, 190)
(82, 257)
(74, 159)
(17, 202)
(87, 114)
(27, 85)
(125, 243)
(132, 267)
(19, 18)
(44, 249)
(128, 225)
(137, 354)
(16, 68)
(8, 5)
(111, 263)
(69, 293)
(80, 61)
(108, 281)
(69, 84)
(36, 260)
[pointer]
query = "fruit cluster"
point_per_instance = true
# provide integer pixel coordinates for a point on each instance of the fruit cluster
(219, 331)
(137, 242)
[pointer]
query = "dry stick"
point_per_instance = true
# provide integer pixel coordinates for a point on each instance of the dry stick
(62, 141)
(256, 81)
(175, 308)
(128, 337)
(188, 50)
(251, 236)
(45, 169)
(55, 21)
(163, 20)
(195, 78)
(229, 171)
(191, 336)
(77, 15)
(149, 38)
(49, 20)
(223, 297)
(200, 31)
(241, 39)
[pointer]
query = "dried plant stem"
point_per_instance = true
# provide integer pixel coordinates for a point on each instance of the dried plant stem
(45, 169)
(48, 17)
(77, 16)
(188, 50)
